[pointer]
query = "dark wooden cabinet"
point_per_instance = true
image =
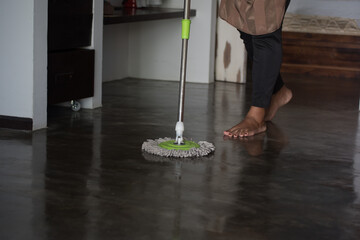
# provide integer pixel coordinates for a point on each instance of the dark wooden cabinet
(69, 24)
(70, 66)
(69, 32)
(70, 75)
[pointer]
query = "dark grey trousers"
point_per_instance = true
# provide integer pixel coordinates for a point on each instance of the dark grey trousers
(265, 52)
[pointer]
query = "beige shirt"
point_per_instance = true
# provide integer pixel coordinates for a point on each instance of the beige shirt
(255, 17)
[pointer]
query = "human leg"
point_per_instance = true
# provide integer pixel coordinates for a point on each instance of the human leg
(281, 94)
(267, 57)
(265, 53)
(252, 124)
(279, 99)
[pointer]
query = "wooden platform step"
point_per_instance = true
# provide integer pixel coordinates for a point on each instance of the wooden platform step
(321, 54)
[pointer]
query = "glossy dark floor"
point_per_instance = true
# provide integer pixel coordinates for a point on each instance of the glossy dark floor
(85, 177)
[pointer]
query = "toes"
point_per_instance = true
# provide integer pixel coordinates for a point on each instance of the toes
(248, 127)
(230, 133)
(244, 132)
(227, 133)
(240, 133)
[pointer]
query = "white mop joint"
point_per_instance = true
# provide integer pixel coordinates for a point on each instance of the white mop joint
(180, 147)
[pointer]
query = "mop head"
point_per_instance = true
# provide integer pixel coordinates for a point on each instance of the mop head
(166, 147)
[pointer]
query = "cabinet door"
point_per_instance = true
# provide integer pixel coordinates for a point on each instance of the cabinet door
(70, 75)
(69, 24)
(70, 6)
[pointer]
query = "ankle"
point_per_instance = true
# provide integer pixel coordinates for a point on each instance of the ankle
(256, 113)
(285, 91)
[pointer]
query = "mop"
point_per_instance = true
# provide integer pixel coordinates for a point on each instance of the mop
(180, 147)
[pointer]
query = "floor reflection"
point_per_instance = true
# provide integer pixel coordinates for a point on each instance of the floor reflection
(85, 177)
(272, 141)
(70, 157)
(357, 165)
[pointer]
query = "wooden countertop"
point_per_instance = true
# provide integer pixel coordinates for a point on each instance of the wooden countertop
(123, 15)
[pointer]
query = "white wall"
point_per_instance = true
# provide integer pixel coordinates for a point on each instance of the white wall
(116, 3)
(231, 55)
(97, 45)
(115, 49)
(40, 64)
(333, 8)
(174, 3)
(116, 52)
(154, 47)
(22, 59)
(16, 58)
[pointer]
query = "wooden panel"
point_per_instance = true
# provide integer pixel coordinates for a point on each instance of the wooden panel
(70, 75)
(321, 54)
(318, 70)
(69, 24)
(70, 7)
(144, 14)
(16, 123)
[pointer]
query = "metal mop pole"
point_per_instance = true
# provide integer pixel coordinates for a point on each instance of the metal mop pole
(185, 38)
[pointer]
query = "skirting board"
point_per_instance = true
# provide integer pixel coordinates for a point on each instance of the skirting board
(16, 123)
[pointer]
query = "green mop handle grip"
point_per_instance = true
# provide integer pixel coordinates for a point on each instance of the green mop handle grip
(185, 28)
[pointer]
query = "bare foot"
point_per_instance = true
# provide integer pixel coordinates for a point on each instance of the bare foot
(252, 124)
(279, 99)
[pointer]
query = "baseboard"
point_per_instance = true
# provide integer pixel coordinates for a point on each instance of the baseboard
(16, 123)
(321, 54)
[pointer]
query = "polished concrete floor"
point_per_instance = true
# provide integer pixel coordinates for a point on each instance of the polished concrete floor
(85, 176)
